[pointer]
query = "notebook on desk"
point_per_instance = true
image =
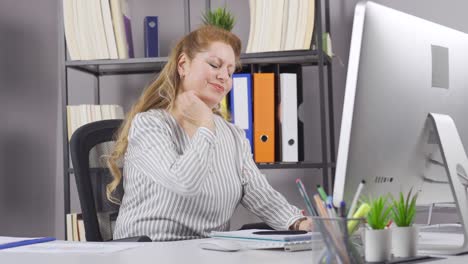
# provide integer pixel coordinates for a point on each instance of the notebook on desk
(252, 234)
(250, 240)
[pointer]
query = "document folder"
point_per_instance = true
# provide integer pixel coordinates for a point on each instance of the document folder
(264, 117)
(288, 117)
(241, 103)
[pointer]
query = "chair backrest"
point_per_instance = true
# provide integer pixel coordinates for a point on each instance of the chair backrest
(91, 183)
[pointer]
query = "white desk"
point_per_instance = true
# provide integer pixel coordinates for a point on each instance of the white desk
(185, 252)
(163, 252)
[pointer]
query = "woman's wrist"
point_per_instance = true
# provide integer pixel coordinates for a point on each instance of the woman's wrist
(297, 224)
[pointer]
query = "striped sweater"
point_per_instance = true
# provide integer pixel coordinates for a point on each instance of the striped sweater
(178, 187)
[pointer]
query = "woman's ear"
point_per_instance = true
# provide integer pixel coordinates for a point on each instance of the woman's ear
(182, 65)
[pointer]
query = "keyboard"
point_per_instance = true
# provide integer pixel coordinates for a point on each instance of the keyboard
(288, 246)
(443, 228)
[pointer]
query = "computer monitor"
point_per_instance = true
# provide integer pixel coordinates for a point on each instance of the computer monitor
(401, 69)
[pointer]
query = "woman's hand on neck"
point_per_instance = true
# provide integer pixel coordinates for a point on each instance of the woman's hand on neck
(192, 113)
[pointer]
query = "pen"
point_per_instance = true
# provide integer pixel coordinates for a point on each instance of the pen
(342, 209)
(26, 242)
(356, 198)
(322, 211)
(332, 213)
(328, 231)
(322, 193)
(280, 232)
(330, 208)
(304, 195)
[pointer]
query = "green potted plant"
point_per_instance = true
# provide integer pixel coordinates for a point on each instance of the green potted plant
(377, 237)
(404, 235)
(219, 17)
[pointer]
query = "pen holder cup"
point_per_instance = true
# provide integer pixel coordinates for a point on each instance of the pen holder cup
(342, 242)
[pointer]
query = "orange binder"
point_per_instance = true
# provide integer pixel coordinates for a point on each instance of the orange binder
(264, 117)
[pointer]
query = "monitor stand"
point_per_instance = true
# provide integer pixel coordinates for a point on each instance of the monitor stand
(456, 165)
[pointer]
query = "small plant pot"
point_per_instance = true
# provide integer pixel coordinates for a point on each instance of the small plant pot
(377, 245)
(404, 241)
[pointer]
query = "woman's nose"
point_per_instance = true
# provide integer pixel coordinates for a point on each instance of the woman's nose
(223, 74)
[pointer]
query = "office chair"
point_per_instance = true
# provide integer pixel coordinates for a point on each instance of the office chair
(97, 211)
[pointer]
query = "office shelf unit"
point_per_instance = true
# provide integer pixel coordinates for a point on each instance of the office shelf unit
(314, 57)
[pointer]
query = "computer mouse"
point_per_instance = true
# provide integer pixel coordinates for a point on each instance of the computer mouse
(220, 245)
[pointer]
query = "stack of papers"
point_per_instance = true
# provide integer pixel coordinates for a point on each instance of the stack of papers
(250, 240)
(249, 234)
(58, 246)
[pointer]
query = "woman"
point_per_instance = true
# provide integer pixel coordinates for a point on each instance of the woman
(185, 168)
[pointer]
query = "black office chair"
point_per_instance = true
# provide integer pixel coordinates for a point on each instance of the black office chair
(97, 211)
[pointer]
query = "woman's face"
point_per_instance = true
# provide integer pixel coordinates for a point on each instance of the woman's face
(209, 74)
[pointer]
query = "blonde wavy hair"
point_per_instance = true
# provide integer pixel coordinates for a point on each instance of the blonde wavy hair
(162, 92)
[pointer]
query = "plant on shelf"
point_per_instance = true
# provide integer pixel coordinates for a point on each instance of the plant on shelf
(219, 17)
(378, 238)
(404, 235)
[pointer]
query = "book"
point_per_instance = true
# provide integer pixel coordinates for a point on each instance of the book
(81, 228)
(117, 112)
(69, 28)
(309, 29)
(252, 26)
(151, 27)
(83, 28)
(109, 29)
(69, 227)
(122, 28)
(280, 25)
(97, 29)
(249, 240)
(79, 115)
(284, 25)
(89, 30)
(75, 227)
(76, 236)
(291, 28)
(128, 28)
(276, 21)
(257, 34)
(301, 24)
(249, 234)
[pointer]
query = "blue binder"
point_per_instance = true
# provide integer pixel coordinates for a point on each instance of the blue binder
(151, 36)
(241, 103)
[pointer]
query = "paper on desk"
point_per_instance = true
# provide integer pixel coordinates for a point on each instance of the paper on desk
(70, 246)
(249, 235)
(4, 239)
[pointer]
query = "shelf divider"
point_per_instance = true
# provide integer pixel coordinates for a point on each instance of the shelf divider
(274, 165)
(152, 65)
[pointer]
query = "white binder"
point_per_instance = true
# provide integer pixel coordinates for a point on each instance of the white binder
(288, 117)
